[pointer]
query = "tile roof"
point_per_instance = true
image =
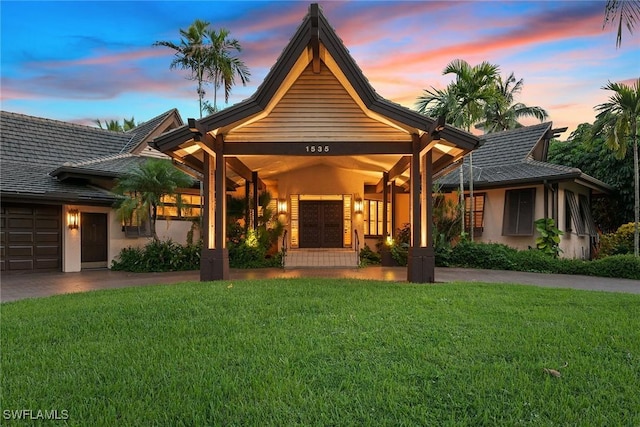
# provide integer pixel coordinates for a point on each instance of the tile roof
(506, 158)
(52, 143)
(34, 151)
(510, 146)
(144, 130)
(27, 180)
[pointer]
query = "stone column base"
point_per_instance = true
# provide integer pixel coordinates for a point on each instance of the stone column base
(214, 264)
(421, 265)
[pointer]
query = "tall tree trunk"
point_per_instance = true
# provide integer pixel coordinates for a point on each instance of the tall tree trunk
(636, 179)
(154, 217)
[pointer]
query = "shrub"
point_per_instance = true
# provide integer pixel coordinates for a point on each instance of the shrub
(534, 261)
(243, 255)
(369, 257)
(157, 256)
(618, 243)
(482, 255)
(400, 247)
(622, 266)
(501, 257)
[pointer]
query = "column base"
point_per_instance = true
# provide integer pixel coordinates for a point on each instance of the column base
(421, 265)
(386, 259)
(214, 264)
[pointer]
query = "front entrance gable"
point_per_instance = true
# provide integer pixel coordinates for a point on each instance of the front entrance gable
(317, 108)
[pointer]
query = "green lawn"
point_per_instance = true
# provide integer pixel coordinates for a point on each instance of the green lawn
(325, 352)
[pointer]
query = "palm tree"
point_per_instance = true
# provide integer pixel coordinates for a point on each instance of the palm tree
(191, 54)
(143, 188)
(502, 113)
(114, 125)
(440, 103)
(206, 54)
(222, 66)
(625, 12)
(463, 104)
(463, 100)
(617, 121)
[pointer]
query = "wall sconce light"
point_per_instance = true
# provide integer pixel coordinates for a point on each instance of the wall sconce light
(73, 219)
(358, 205)
(282, 206)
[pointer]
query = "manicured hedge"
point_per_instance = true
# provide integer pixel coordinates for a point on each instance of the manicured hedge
(158, 255)
(497, 256)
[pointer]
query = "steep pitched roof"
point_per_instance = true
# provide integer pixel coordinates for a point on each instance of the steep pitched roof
(511, 158)
(510, 146)
(313, 34)
(144, 132)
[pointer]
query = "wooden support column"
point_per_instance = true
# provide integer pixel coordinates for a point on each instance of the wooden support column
(387, 259)
(385, 200)
(255, 200)
(247, 211)
(214, 262)
(421, 259)
(392, 197)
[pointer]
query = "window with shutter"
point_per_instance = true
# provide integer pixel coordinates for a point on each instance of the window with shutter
(518, 212)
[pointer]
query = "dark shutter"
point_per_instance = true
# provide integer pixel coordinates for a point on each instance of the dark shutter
(519, 208)
(575, 212)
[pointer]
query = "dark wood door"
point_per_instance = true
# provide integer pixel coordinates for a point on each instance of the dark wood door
(93, 229)
(31, 238)
(321, 224)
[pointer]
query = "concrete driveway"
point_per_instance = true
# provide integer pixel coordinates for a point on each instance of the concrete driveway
(20, 286)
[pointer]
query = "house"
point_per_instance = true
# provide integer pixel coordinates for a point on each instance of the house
(514, 186)
(338, 157)
(56, 212)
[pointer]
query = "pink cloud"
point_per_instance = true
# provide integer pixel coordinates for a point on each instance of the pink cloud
(102, 59)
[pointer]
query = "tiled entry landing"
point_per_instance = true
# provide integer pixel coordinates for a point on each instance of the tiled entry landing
(325, 258)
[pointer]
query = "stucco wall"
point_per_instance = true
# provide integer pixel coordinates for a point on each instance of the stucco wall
(71, 254)
(572, 245)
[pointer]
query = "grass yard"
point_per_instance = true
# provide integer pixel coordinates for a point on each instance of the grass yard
(325, 352)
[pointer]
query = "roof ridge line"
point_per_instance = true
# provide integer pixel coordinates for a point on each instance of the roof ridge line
(101, 159)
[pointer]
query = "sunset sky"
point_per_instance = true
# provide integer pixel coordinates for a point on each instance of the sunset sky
(81, 61)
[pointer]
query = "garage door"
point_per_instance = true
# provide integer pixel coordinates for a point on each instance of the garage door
(31, 238)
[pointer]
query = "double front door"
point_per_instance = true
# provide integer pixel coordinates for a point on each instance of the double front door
(321, 224)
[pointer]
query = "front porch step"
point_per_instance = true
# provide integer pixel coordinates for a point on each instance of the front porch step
(321, 258)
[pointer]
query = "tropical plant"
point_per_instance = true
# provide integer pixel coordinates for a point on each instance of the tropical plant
(549, 240)
(223, 66)
(625, 12)
(191, 54)
(617, 120)
(502, 112)
(206, 53)
(618, 243)
(114, 125)
(590, 154)
(142, 189)
(463, 101)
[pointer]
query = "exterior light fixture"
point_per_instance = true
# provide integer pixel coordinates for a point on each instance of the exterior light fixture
(358, 205)
(73, 219)
(282, 206)
(389, 240)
